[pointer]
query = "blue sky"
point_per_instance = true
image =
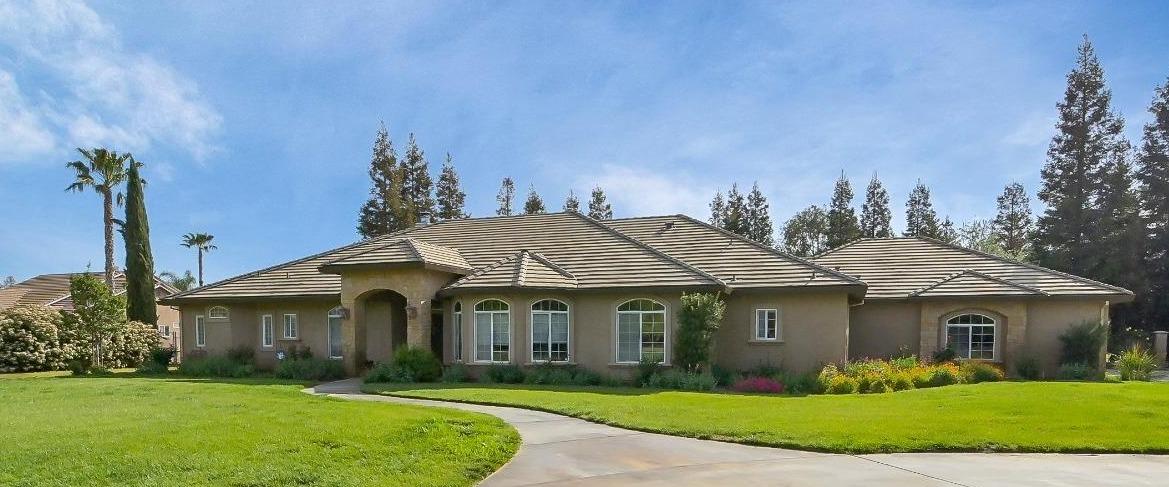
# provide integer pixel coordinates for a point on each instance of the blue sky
(255, 119)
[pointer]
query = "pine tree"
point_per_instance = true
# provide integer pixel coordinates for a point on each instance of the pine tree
(1012, 227)
(505, 197)
(979, 235)
(1153, 175)
(946, 232)
(1120, 234)
(735, 215)
(571, 203)
(806, 233)
(598, 206)
(876, 219)
(842, 224)
(1088, 134)
(140, 297)
(718, 210)
(759, 217)
(450, 196)
(920, 218)
(534, 204)
(417, 187)
(381, 213)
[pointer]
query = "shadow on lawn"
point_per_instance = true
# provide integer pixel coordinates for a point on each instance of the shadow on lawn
(132, 375)
(611, 391)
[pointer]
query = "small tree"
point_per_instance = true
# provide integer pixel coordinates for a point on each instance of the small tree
(505, 197)
(572, 203)
(534, 205)
(599, 207)
(699, 318)
(1083, 344)
(98, 312)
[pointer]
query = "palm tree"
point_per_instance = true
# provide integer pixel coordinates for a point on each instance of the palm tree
(202, 243)
(103, 170)
(183, 283)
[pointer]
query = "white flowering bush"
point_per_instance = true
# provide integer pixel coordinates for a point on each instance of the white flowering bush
(130, 345)
(30, 340)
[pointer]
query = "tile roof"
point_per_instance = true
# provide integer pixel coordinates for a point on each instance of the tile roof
(53, 290)
(404, 251)
(898, 268)
(523, 269)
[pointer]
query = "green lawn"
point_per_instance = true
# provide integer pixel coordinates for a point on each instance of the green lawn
(143, 431)
(1003, 416)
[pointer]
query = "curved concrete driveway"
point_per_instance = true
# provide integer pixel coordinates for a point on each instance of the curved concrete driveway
(568, 451)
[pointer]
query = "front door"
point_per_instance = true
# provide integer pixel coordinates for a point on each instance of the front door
(436, 334)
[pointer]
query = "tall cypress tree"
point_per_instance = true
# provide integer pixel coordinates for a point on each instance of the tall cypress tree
(842, 223)
(758, 217)
(450, 196)
(735, 215)
(920, 218)
(505, 197)
(1088, 134)
(718, 210)
(876, 218)
(572, 203)
(381, 213)
(417, 186)
(599, 207)
(1012, 226)
(140, 298)
(534, 205)
(1153, 176)
(806, 233)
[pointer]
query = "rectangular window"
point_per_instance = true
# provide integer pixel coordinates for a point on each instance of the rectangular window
(200, 331)
(628, 337)
(458, 328)
(766, 324)
(549, 336)
(164, 331)
(971, 341)
(492, 336)
(267, 331)
(290, 326)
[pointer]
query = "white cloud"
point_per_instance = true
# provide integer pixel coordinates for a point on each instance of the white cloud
(95, 91)
(637, 192)
(25, 133)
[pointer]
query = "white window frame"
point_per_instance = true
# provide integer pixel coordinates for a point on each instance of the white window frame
(212, 315)
(334, 313)
(665, 311)
(267, 331)
(510, 332)
(762, 313)
(969, 330)
(200, 331)
(295, 328)
(164, 330)
(532, 331)
(457, 336)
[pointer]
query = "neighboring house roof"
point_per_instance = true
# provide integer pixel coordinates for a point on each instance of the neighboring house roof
(53, 290)
(406, 251)
(548, 248)
(898, 268)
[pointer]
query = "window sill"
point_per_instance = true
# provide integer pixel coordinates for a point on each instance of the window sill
(634, 364)
(762, 341)
(553, 363)
(289, 339)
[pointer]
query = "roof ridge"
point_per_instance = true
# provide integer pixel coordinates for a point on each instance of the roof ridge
(286, 264)
(975, 273)
(519, 268)
(774, 251)
(482, 270)
(1025, 264)
(554, 266)
(654, 250)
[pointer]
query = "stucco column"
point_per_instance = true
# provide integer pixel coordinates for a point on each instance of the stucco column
(1161, 346)
(418, 321)
(929, 332)
(353, 336)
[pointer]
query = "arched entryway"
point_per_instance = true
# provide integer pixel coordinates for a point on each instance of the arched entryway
(381, 314)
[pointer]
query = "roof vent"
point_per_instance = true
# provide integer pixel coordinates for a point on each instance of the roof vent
(669, 225)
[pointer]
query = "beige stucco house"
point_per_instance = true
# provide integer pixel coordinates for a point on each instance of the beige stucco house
(52, 290)
(564, 288)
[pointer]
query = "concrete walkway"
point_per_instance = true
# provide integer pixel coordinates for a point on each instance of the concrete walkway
(567, 451)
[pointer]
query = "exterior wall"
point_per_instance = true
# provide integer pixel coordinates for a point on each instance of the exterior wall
(881, 329)
(813, 331)
(1047, 320)
(813, 327)
(170, 317)
(242, 328)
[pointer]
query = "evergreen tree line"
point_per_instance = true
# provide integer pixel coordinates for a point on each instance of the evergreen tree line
(403, 193)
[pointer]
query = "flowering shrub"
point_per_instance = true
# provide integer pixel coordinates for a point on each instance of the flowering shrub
(758, 384)
(877, 376)
(30, 340)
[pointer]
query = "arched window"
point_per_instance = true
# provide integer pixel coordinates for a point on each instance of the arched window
(641, 331)
(492, 331)
(971, 336)
(457, 326)
(549, 331)
(217, 313)
(335, 317)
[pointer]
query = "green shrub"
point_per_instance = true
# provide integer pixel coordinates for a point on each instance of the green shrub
(242, 354)
(585, 377)
(679, 380)
(129, 345)
(162, 356)
(825, 377)
(214, 366)
(902, 381)
(1082, 343)
(723, 375)
(504, 374)
(388, 372)
(904, 362)
(1076, 371)
(973, 372)
(614, 381)
(549, 374)
(699, 317)
(646, 368)
(29, 339)
(456, 373)
(1136, 363)
(294, 352)
(945, 355)
(1028, 368)
(800, 383)
(937, 375)
(421, 363)
(878, 386)
(311, 369)
(841, 384)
